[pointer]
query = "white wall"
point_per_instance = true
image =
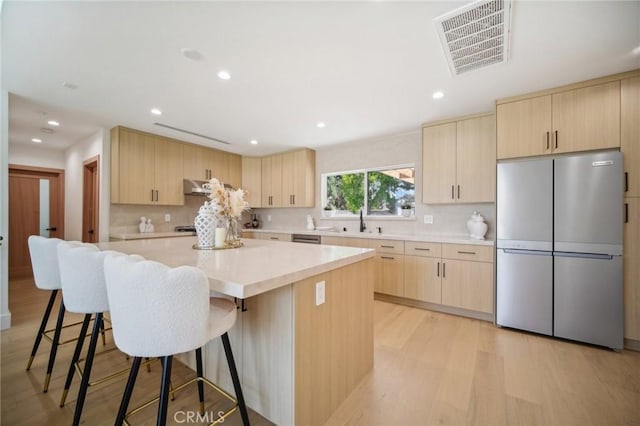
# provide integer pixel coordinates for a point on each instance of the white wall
(400, 149)
(74, 157)
(36, 155)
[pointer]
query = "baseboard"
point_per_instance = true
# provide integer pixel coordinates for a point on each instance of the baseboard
(5, 321)
(434, 307)
(633, 345)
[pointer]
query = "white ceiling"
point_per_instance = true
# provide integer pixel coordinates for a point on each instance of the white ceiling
(366, 69)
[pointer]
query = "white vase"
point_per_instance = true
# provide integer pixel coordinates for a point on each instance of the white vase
(205, 224)
(476, 226)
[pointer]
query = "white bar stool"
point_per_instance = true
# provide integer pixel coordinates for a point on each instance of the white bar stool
(157, 311)
(46, 275)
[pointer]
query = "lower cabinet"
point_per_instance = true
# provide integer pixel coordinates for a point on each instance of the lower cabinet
(422, 279)
(274, 236)
(467, 285)
(389, 274)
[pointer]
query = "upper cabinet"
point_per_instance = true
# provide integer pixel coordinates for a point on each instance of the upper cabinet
(564, 120)
(459, 161)
(145, 168)
(630, 134)
(252, 180)
(201, 163)
(288, 179)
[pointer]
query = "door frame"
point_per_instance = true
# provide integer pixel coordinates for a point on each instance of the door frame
(90, 192)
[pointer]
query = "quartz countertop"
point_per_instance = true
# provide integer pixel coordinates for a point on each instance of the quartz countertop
(430, 238)
(147, 235)
(256, 268)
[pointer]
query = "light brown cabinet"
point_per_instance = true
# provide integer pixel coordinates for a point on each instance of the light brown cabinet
(145, 169)
(459, 161)
(580, 119)
(389, 267)
(630, 134)
(201, 163)
(272, 181)
(252, 180)
(631, 254)
(298, 178)
(422, 279)
(467, 285)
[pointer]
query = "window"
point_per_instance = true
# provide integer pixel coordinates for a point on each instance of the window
(377, 192)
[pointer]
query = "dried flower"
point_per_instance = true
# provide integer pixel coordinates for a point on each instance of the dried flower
(226, 204)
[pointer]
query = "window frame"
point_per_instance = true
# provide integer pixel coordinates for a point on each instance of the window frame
(365, 206)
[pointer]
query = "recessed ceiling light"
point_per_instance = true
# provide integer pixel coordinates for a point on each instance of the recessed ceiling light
(156, 111)
(253, 142)
(36, 140)
(321, 124)
(53, 123)
(224, 75)
(437, 95)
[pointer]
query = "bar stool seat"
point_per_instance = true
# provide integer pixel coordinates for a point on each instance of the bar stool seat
(157, 311)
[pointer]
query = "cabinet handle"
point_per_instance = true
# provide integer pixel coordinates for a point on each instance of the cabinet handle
(152, 195)
(387, 246)
(294, 199)
(556, 133)
(466, 252)
(387, 257)
(626, 181)
(421, 249)
(438, 273)
(157, 195)
(273, 238)
(626, 212)
(547, 140)
(444, 275)
(452, 197)
(458, 192)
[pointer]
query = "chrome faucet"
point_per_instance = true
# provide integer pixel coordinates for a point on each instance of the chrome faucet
(362, 225)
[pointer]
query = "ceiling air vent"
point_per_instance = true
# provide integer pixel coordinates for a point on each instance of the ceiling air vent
(475, 35)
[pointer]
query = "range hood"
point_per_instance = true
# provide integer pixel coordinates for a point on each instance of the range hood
(194, 187)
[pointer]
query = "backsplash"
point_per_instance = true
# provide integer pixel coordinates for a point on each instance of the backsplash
(124, 218)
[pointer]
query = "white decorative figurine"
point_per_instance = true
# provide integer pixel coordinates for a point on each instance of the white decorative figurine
(143, 224)
(476, 226)
(149, 226)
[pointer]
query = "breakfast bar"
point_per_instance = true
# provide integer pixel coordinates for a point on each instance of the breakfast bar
(303, 338)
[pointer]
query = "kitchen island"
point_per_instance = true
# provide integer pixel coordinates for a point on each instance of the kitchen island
(297, 358)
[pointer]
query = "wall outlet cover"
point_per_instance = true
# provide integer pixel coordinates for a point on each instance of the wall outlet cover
(320, 299)
(167, 217)
(428, 219)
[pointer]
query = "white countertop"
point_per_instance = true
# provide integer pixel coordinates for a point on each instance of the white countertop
(256, 268)
(147, 235)
(451, 239)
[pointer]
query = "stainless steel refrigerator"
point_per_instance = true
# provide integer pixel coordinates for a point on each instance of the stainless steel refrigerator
(559, 247)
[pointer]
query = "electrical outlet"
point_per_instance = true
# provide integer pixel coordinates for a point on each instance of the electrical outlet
(428, 219)
(319, 293)
(268, 218)
(167, 217)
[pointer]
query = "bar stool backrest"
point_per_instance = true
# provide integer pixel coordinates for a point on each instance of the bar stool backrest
(44, 261)
(156, 310)
(82, 274)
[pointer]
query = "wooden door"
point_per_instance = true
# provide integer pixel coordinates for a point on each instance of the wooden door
(288, 179)
(586, 119)
(90, 199)
(467, 285)
(136, 168)
(267, 181)
(196, 163)
(234, 162)
(168, 172)
(524, 127)
(24, 212)
(439, 163)
(219, 165)
(476, 160)
(252, 180)
(632, 269)
(276, 180)
(304, 178)
(630, 133)
(422, 279)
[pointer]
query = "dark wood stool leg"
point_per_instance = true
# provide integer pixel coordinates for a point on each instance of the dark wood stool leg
(128, 390)
(199, 371)
(43, 326)
(76, 357)
(104, 340)
(84, 384)
(54, 346)
(164, 391)
(236, 381)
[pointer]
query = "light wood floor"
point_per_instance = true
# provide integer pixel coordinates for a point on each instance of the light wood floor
(430, 368)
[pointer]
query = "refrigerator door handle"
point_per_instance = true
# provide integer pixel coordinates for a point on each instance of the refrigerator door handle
(527, 252)
(583, 255)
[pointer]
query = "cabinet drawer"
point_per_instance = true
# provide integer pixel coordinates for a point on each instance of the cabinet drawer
(389, 246)
(273, 236)
(414, 248)
(467, 252)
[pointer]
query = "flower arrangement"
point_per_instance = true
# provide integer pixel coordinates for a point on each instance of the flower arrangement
(225, 206)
